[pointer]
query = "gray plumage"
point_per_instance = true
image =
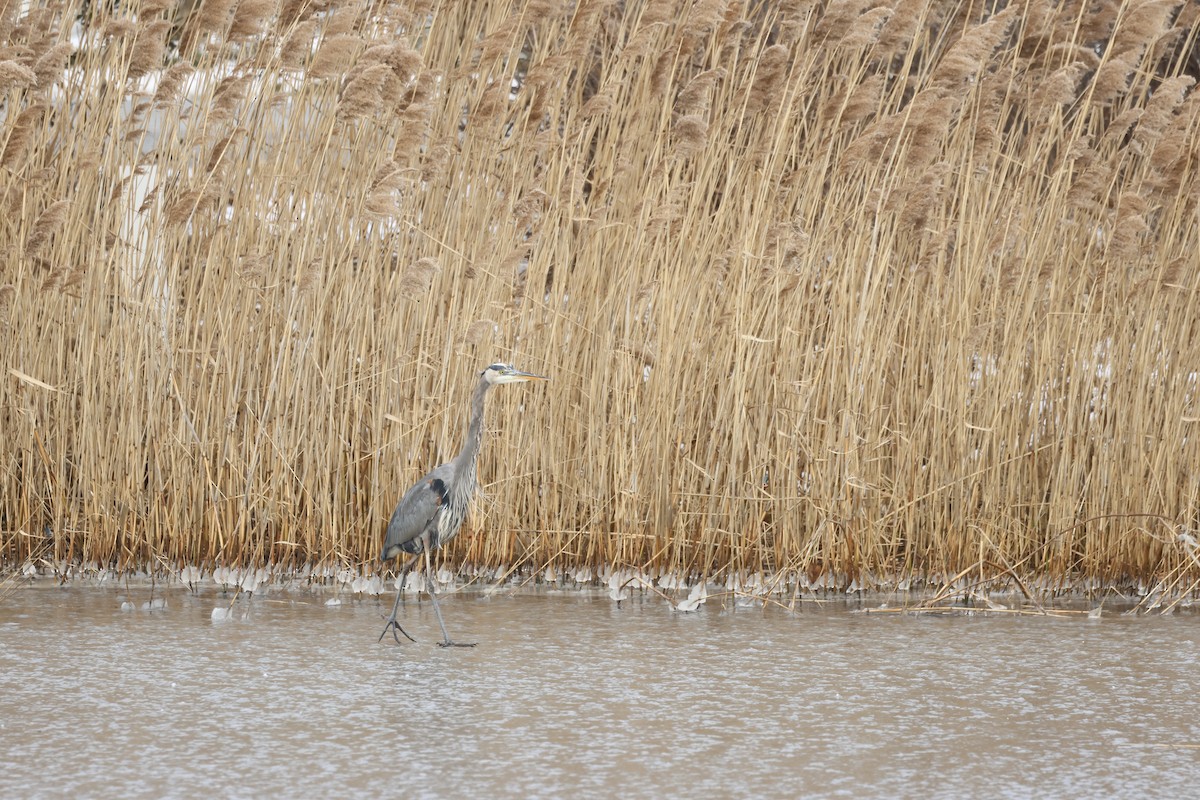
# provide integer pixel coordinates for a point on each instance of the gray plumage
(437, 504)
(433, 511)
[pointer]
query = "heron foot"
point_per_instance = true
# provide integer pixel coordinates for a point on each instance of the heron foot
(394, 626)
(449, 643)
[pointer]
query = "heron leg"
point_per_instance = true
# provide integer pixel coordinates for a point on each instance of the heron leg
(446, 642)
(392, 625)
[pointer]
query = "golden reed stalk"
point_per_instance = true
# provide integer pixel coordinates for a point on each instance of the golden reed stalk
(855, 293)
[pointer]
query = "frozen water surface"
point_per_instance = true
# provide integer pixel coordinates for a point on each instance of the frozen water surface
(569, 694)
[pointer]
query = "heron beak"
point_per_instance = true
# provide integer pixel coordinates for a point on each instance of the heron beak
(518, 375)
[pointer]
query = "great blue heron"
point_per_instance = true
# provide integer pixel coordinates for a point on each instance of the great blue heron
(433, 510)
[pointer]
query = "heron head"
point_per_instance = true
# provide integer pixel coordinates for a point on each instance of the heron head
(507, 373)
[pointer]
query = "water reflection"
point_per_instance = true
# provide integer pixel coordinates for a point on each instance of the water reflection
(569, 693)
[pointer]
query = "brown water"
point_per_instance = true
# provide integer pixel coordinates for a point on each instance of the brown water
(567, 693)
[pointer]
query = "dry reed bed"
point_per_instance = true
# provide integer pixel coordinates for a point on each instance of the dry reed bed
(854, 291)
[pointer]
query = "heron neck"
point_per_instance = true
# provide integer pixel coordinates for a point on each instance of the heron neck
(464, 464)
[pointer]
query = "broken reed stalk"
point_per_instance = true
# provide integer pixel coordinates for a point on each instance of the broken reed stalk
(876, 297)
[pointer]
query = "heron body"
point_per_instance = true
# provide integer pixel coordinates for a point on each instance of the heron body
(433, 511)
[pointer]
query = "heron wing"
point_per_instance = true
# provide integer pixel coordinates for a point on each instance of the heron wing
(417, 510)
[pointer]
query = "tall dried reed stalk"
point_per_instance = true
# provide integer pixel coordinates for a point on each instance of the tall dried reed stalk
(851, 294)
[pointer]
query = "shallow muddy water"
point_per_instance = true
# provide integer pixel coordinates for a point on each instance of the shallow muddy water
(567, 693)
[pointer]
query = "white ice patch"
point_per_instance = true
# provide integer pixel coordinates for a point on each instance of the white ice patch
(696, 598)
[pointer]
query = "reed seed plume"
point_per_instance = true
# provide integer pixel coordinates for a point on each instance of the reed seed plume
(703, 17)
(418, 277)
(214, 15)
(769, 74)
(1056, 91)
(47, 223)
(365, 92)
(14, 75)
(901, 26)
(865, 30)
(293, 13)
(845, 295)
(1160, 110)
(690, 132)
(481, 331)
(694, 96)
(252, 17)
(974, 50)
(1112, 79)
(148, 48)
(7, 293)
(334, 55)
(297, 47)
(20, 135)
(171, 84)
(119, 28)
(49, 65)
